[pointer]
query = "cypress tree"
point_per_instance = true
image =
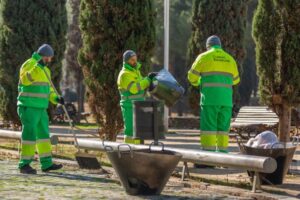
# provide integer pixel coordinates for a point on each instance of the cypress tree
(108, 29)
(276, 31)
(225, 18)
(24, 25)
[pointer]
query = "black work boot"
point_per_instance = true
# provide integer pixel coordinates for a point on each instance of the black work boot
(53, 167)
(27, 169)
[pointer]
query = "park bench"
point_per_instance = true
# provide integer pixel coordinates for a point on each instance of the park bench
(252, 120)
(60, 117)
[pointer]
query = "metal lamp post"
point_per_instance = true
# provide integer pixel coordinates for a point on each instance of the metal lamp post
(166, 52)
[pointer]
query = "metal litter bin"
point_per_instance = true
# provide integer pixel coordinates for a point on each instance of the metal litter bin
(148, 120)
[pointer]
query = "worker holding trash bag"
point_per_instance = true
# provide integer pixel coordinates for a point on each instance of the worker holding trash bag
(215, 72)
(35, 92)
(132, 86)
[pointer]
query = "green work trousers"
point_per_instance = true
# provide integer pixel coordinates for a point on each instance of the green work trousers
(214, 127)
(127, 113)
(35, 135)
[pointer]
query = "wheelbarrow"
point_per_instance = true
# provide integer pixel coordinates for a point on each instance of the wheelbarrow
(283, 157)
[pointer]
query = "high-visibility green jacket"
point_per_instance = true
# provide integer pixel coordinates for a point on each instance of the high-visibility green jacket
(215, 71)
(34, 87)
(131, 83)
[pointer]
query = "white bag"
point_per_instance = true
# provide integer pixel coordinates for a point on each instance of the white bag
(264, 140)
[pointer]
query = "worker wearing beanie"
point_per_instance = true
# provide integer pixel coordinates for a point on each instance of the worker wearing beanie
(132, 86)
(33, 99)
(214, 72)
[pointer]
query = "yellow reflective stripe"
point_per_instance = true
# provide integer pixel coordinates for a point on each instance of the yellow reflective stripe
(27, 157)
(45, 155)
(30, 94)
(44, 147)
(28, 149)
(195, 72)
(130, 85)
(130, 140)
(28, 142)
(208, 132)
(217, 73)
(133, 96)
(138, 85)
(40, 84)
(216, 85)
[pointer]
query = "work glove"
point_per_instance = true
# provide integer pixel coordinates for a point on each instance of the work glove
(151, 87)
(151, 75)
(61, 100)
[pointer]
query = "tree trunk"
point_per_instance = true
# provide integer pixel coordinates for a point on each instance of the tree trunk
(80, 97)
(284, 123)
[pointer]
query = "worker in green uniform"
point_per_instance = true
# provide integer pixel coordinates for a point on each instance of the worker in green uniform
(132, 86)
(33, 99)
(214, 72)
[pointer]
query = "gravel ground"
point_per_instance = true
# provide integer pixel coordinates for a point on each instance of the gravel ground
(73, 183)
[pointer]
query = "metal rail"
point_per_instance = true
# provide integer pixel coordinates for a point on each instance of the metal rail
(17, 136)
(247, 162)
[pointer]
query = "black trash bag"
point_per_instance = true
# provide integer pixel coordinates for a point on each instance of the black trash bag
(166, 88)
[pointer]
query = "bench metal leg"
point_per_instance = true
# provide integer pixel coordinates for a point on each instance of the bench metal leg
(185, 171)
(256, 182)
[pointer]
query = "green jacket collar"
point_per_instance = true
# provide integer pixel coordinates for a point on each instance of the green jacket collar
(36, 56)
(129, 67)
(216, 47)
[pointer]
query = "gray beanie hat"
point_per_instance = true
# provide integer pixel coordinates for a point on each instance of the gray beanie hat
(213, 41)
(45, 50)
(128, 54)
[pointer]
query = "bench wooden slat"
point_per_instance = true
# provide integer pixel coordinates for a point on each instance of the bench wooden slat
(255, 116)
(258, 120)
(256, 111)
(244, 124)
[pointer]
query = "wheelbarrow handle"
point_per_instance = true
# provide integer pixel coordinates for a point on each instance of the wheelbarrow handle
(125, 145)
(108, 148)
(156, 144)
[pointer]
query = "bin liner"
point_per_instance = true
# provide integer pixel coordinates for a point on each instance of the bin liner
(166, 88)
(265, 140)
